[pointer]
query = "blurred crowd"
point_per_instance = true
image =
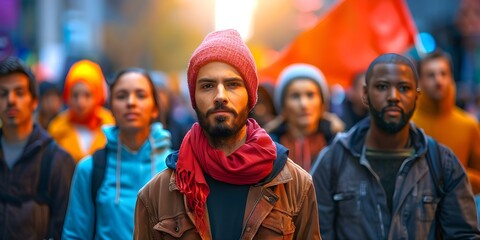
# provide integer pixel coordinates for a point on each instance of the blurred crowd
(88, 114)
(297, 112)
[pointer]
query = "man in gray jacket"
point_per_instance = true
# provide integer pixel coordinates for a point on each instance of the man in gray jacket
(382, 180)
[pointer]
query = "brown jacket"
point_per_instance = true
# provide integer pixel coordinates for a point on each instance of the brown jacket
(282, 208)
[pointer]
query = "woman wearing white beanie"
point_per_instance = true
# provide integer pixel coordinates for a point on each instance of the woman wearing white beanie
(301, 98)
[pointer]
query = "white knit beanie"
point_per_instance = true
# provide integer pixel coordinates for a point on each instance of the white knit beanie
(297, 71)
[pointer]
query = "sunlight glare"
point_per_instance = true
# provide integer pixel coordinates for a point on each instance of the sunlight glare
(236, 14)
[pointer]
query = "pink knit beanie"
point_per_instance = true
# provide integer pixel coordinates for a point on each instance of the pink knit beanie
(224, 46)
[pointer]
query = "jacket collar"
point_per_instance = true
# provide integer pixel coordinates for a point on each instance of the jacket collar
(38, 138)
(354, 139)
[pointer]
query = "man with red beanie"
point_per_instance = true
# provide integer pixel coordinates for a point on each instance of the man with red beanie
(229, 180)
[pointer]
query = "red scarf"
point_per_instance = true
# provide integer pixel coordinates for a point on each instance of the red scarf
(92, 121)
(249, 164)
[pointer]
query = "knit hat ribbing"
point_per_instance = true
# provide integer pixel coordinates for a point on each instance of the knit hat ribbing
(296, 71)
(224, 46)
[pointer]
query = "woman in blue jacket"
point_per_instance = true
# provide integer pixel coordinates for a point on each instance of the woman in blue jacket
(135, 151)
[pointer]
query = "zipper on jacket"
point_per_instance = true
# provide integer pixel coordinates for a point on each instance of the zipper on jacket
(381, 221)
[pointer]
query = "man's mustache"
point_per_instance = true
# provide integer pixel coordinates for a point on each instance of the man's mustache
(392, 105)
(223, 108)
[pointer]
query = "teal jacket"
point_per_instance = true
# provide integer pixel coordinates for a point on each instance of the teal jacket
(115, 200)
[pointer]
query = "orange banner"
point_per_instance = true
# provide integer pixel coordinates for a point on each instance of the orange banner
(348, 38)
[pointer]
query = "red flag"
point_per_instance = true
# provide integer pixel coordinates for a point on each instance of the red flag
(348, 38)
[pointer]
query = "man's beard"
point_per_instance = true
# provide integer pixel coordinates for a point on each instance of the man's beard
(389, 127)
(221, 130)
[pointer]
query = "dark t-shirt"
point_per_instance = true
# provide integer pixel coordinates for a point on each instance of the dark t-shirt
(226, 208)
(386, 163)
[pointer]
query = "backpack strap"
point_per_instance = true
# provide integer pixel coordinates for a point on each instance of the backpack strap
(42, 191)
(435, 165)
(43, 196)
(99, 162)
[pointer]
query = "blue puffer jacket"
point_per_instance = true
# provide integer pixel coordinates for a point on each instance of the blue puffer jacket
(352, 203)
(116, 199)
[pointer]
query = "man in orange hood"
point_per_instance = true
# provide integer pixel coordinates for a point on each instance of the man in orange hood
(441, 119)
(78, 129)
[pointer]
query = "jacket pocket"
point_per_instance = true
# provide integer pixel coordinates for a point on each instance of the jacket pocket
(347, 203)
(427, 208)
(175, 227)
(277, 225)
